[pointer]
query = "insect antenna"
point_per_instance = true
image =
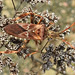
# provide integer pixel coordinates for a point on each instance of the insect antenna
(64, 31)
(67, 28)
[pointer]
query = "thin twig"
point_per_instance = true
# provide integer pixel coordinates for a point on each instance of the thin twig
(51, 68)
(20, 4)
(14, 5)
(44, 46)
(18, 8)
(1, 6)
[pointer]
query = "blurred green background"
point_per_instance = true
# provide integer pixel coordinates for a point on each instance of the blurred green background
(65, 11)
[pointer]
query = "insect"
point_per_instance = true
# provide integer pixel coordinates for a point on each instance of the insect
(36, 31)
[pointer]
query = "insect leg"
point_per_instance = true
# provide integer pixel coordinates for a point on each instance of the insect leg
(31, 53)
(21, 16)
(25, 14)
(13, 51)
(50, 25)
(9, 51)
(32, 18)
(40, 21)
(64, 31)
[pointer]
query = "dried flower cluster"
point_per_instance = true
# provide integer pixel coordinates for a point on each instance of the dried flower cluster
(62, 57)
(7, 61)
(37, 1)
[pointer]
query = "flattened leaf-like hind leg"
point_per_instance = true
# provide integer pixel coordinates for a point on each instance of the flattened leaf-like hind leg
(9, 51)
(22, 47)
(13, 51)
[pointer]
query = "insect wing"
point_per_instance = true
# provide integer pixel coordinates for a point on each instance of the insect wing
(23, 30)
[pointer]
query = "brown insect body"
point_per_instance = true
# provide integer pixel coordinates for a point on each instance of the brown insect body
(32, 31)
(28, 31)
